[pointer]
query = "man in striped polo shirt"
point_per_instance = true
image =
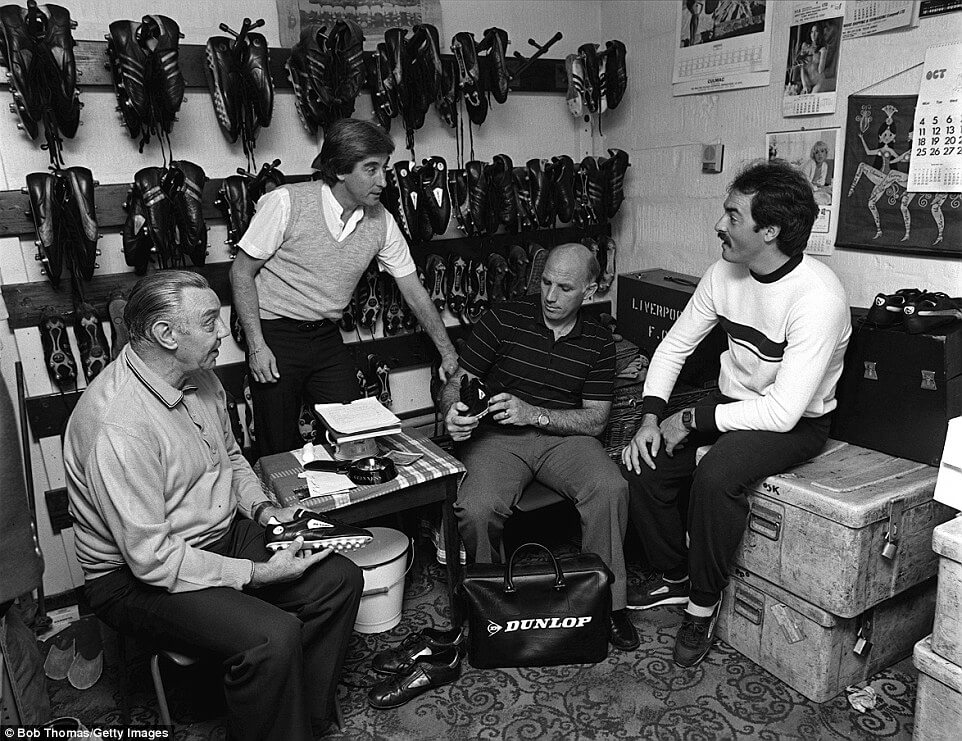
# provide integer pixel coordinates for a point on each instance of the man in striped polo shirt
(550, 372)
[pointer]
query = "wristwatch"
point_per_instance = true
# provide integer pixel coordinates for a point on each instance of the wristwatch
(543, 419)
(258, 508)
(688, 418)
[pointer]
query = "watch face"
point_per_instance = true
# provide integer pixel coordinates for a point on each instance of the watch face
(543, 420)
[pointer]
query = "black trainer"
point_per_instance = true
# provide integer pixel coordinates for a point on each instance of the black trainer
(695, 637)
(656, 591)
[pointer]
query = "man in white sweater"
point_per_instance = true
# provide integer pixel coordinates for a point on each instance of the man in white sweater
(787, 321)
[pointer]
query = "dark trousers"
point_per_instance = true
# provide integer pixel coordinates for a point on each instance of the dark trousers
(315, 367)
(282, 646)
(718, 504)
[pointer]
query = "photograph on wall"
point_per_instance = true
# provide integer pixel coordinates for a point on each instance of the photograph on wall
(936, 163)
(373, 16)
(811, 71)
(877, 211)
(721, 45)
(869, 17)
(815, 153)
(929, 8)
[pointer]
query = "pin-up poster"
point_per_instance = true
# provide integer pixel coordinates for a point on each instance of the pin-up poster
(816, 155)
(811, 71)
(878, 212)
(721, 45)
(373, 16)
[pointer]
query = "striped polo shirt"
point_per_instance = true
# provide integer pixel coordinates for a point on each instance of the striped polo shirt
(513, 351)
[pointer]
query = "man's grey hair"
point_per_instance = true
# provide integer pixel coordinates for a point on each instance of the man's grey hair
(158, 297)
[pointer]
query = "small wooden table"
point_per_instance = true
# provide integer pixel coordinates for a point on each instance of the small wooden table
(432, 478)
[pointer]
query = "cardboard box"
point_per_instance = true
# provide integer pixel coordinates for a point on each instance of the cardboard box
(898, 391)
(649, 302)
(810, 649)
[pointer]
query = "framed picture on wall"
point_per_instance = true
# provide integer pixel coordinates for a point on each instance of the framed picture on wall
(373, 16)
(877, 212)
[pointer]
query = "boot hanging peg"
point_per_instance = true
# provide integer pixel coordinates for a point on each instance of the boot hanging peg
(525, 63)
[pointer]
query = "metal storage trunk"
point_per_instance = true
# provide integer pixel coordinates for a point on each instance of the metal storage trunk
(811, 650)
(938, 700)
(947, 632)
(846, 530)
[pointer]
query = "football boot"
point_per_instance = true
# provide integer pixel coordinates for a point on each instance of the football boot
(378, 368)
(517, 271)
(424, 49)
(575, 96)
(256, 65)
(460, 204)
(562, 187)
(391, 200)
(135, 234)
(474, 395)
(606, 260)
(496, 42)
(307, 424)
(188, 207)
(236, 207)
(540, 182)
(465, 52)
(163, 38)
(128, 64)
(592, 77)
(502, 179)
(381, 82)
(345, 45)
(427, 673)
(426, 642)
(446, 104)
(298, 66)
(525, 206)
(477, 196)
(477, 279)
(887, 309)
(266, 179)
(616, 73)
(57, 355)
(318, 531)
(497, 278)
(226, 84)
(116, 303)
(409, 188)
(457, 297)
(369, 302)
(40, 189)
(392, 307)
(613, 181)
(539, 256)
(492, 175)
(155, 186)
(436, 274)
(589, 193)
(82, 215)
(91, 341)
(348, 320)
(434, 193)
(929, 311)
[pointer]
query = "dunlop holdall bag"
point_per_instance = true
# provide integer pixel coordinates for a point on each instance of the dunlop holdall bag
(543, 613)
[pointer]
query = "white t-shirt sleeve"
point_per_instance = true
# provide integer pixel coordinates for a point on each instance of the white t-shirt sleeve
(266, 231)
(395, 255)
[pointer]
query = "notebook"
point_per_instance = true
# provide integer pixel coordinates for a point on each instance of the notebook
(358, 420)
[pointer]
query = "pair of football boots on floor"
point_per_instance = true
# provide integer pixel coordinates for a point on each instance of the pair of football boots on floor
(597, 80)
(38, 48)
(95, 353)
(917, 310)
(423, 661)
(377, 295)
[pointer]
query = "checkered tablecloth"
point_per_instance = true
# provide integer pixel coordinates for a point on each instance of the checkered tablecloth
(280, 480)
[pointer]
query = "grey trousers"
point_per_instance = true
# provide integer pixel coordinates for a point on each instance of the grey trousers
(501, 463)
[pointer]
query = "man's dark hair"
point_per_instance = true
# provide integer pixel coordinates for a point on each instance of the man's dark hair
(348, 141)
(782, 197)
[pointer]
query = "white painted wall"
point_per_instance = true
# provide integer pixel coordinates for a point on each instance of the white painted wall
(530, 125)
(671, 210)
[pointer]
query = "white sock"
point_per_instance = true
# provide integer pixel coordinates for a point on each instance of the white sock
(699, 611)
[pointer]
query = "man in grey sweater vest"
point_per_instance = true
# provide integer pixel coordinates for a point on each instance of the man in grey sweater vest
(306, 247)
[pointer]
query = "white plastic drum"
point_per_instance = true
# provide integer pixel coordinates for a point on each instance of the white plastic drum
(385, 562)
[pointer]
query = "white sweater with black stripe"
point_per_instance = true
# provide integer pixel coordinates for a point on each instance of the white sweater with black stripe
(787, 334)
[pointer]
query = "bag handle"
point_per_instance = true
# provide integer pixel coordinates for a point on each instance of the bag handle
(559, 581)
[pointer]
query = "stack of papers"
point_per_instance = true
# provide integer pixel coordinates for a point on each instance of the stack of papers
(358, 420)
(321, 483)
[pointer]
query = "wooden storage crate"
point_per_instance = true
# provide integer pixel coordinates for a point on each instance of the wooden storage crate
(846, 530)
(938, 700)
(811, 650)
(947, 631)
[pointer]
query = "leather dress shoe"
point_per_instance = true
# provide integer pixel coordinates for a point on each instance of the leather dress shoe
(426, 642)
(425, 674)
(623, 634)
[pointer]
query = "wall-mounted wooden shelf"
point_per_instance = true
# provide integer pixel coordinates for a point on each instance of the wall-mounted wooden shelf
(543, 76)
(49, 413)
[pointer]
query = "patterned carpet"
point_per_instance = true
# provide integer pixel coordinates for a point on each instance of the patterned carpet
(636, 695)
